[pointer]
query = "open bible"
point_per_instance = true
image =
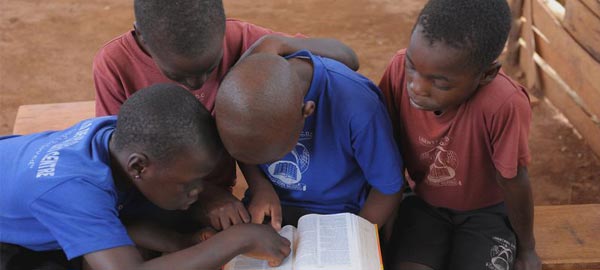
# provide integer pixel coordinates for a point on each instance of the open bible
(325, 242)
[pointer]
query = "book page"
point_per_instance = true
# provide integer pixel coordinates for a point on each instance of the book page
(369, 244)
(324, 242)
(242, 262)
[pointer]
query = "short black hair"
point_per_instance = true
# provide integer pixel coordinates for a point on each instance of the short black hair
(162, 120)
(184, 27)
(479, 27)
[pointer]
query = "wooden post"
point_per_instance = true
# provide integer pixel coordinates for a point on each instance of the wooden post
(512, 57)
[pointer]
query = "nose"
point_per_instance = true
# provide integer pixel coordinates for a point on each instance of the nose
(196, 82)
(419, 85)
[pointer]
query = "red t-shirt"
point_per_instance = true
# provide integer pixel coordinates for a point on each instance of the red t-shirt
(452, 158)
(121, 68)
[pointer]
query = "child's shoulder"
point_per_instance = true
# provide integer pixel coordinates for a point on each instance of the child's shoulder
(350, 84)
(502, 93)
(118, 48)
(398, 58)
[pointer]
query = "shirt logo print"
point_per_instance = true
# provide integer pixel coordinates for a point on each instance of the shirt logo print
(443, 163)
(287, 172)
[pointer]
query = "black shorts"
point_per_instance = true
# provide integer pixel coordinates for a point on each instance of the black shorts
(445, 239)
(14, 257)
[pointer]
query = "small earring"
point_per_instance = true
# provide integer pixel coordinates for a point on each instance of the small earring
(137, 176)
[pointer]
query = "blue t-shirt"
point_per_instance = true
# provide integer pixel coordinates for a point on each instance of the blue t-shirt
(57, 190)
(345, 148)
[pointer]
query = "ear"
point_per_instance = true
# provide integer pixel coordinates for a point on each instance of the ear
(137, 165)
(308, 108)
(490, 73)
(138, 35)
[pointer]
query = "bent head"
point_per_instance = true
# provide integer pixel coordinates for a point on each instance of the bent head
(166, 143)
(184, 37)
(453, 51)
(260, 109)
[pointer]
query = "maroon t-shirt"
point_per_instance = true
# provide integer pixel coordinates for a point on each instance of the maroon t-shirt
(121, 68)
(452, 158)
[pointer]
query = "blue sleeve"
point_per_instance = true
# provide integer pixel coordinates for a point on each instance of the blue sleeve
(82, 218)
(376, 151)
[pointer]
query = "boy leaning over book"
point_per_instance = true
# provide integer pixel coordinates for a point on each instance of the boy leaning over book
(67, 190)
(319, 131)
(462, 126)
(193, 44)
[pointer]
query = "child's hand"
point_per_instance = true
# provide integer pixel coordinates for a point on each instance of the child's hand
(221, 208)
(266, 244)
(265, 202)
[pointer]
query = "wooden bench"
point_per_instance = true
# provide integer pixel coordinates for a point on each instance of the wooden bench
(53, 116)
(568, 236)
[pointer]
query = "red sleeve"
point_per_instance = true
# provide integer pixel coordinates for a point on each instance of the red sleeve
(110, 94)
(250, 33)
(510, 134)
(391, 87)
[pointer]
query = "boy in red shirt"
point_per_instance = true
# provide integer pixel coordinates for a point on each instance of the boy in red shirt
(462, 126)
(191, 43)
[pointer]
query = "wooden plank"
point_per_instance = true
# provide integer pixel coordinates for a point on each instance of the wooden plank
(55, 116)
(516, 7)
(528, 49)
(593, 5)
(573, 63)
(556, 90)
(567, 236)
(584, 26)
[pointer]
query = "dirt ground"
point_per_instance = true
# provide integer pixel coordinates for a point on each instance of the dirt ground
(46, 51)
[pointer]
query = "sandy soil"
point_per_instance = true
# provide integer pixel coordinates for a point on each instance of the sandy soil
(46, 51)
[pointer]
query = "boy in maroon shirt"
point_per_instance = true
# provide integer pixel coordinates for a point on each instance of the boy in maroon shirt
(462, 126)
(190, 42)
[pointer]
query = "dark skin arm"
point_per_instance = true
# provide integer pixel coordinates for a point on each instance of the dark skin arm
(219, 208)
(326, 47)
(154, 237)
(379, 207)
(258, 241)
(264, 201)
(519, 204)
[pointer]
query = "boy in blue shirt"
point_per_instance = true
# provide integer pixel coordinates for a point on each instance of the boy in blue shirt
(320, 132)
(67, 189)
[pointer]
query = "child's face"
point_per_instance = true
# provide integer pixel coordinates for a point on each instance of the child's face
(438, 77)
(176, 184)
(190, 72)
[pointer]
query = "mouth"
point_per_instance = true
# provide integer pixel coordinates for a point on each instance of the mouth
(415, 103)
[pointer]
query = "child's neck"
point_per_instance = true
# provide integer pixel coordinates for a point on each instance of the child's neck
(120, 177)
(304, 69)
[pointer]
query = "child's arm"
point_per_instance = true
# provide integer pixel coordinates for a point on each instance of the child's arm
(258, 241)
(379, 207)
(326, 47)
(219, 208)
(151, 236)
(519, 205)
(264, 201)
